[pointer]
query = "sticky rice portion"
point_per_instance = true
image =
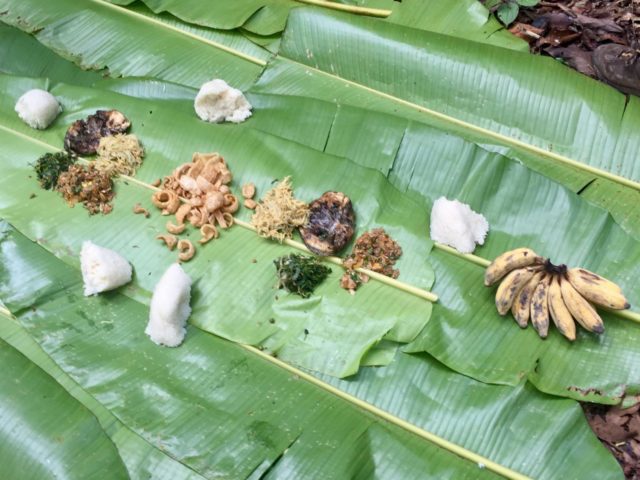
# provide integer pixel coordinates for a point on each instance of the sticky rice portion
(218, 102)
(454, 224)
(38, 108)
(102, 269)
(170, 307)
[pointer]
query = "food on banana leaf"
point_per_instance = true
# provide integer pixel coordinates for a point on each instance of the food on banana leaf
(170, 307)
(49, 167)
(454, 224)
(534, 288)
(248, 192)
(119, 154)
(37, 108)
(218, 102)
(83, 136)
(300, 274)
(85, 184)
(139, 209)
(375, 251)
(204, 185)
(331, 224)
(279, 213)
(102, 269)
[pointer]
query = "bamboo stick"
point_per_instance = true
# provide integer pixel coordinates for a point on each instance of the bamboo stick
(479, 460)
(372, 12)
(625, 314)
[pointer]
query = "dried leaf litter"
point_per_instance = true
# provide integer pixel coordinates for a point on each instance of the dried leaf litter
(278, 214)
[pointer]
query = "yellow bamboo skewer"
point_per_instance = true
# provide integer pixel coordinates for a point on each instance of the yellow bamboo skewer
(479, 460)
(483, 262)
(372, 12)
(456, 449)
(405, 287)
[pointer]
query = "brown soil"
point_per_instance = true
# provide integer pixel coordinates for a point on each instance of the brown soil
(572, 29)
(619, 430)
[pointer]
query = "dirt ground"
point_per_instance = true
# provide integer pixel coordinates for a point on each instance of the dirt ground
(619, 430)
(572, 30)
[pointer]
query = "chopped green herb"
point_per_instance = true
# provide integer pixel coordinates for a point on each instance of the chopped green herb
(49, 167)
(300, 274)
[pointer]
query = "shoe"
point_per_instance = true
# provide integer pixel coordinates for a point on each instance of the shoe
(619, 66)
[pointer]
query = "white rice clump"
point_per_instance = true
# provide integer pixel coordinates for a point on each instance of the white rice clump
(455, 224)
(102, 269)
(217, 102)
(38, 108)
(170, 307)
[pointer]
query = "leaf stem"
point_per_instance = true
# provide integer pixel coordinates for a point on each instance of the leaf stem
(626, 314)
(372, 12)
(479, 460)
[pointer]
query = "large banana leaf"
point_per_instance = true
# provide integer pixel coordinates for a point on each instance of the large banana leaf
(119, 41)
(567, 381)
(578, 116)
(44, 432)
(213, 406)
(243, 317)
(465, 18)
(218, 408)
(413, 376)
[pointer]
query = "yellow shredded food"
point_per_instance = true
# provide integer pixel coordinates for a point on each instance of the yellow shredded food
(278, 213)
(119, 154)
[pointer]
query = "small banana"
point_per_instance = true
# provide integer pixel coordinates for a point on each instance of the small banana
(581, 310)
(511, 285)
(521, 307)
(597, 289)
(509, 261)
(540, 307)
(559, 312)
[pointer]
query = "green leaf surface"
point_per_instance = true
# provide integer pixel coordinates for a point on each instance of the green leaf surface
(507, 12)
(245, 397)
(246, 316)
(99, 36)
(523, 208)
(46, 433)
(213, 405)
(450, 76)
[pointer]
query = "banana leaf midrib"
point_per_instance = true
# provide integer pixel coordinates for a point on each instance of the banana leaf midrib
(625, 314)
(363, 405)
(510, 141)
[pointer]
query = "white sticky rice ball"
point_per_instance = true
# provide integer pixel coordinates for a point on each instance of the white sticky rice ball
(217, 102)
(455, 224)
(38, 108)
(170, 307)
(102, 269)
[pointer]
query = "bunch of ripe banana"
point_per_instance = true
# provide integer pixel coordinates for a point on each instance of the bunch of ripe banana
(533, 288)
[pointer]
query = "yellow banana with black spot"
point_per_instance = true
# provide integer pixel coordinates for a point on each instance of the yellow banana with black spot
(509, 261)
(559, 312)
(596, 289)
(511, 285)
(540, 307)
(580, 308)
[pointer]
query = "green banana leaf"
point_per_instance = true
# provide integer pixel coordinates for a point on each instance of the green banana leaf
(245, 317)
(44, 432)
(267, 18)
(607, 383)
(578, 116)
(109, 37)
(220, 409)
(425, 166)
